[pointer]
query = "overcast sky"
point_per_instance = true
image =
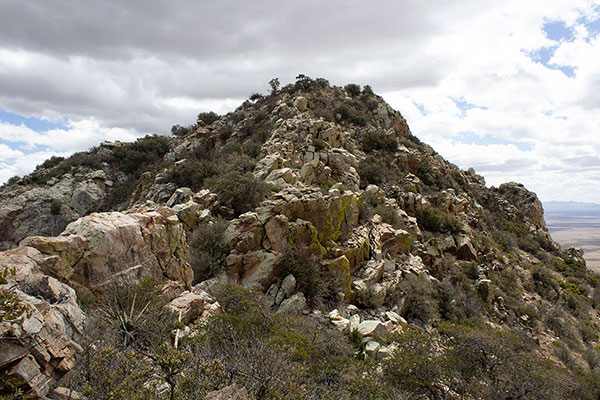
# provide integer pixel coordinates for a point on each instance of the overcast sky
(511, 88)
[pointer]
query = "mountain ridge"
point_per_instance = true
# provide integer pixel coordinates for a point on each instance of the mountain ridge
(320, 198)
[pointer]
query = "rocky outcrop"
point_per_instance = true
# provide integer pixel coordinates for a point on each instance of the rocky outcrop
(41, 346)
(46, 209)
(527, 204)
(99, 251)
(102, 250)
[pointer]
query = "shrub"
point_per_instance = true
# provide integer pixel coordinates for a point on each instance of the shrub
(373, 140)
(240, 192)
(372, 171)
(528, 244)
(434, 220)
(141, 155)
(319, 144)
(208, 118)
(208, 249)
(178, 130)
(255, 96)
(51, 162)
(419, 302)
(318, 285)
(191, 173)
(350, 114)
(55, 208)
(352, 89)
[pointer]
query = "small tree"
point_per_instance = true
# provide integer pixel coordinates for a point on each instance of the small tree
(274, 83)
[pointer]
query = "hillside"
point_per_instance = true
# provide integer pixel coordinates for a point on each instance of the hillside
(304, 246)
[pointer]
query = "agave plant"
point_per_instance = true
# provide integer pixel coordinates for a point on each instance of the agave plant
(125, 315)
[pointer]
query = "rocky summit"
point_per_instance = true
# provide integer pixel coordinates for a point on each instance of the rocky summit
(304, 246)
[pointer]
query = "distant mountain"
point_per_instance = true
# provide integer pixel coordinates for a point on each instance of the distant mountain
(571, 208)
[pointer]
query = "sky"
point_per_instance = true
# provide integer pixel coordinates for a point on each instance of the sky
(510, 88)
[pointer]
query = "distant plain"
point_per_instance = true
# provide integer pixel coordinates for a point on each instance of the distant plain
(578, 227)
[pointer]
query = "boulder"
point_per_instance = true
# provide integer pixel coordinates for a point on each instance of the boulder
(106, 249)
(287, 288)
(293, 305)
(464, 248)
(245, 233)
(387, 241)
(255, 269)
(27, 210)
(301, 103)
(189, 305)
(373, 328)
(371, 348)
(527, 203)
(275, 233)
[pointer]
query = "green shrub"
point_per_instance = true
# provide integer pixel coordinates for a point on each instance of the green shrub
(434, 220)
(178, 130)
(318, 285)
(192, 173)
(350, 114)
(320, 144)
(419, 302)
(208, 249)
(240, 192)
(352, 89)
(141, 155)
(51, 162)
(528, 244)
(55, 208)
(207, 118)
(372, 171)
(373, 140)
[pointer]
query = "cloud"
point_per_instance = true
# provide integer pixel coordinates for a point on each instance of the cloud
(115, 69)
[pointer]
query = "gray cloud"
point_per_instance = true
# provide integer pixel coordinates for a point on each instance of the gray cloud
(139, 66)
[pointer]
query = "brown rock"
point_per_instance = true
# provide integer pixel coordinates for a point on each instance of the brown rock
(464, 248)
(276, 233)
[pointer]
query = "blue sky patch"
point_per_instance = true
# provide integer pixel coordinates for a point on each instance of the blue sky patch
(24, 147)
(543, 56)
(591, 24)
(464, 105)
(487, 140)
(420, 107)
(36, 124)
(558, 31)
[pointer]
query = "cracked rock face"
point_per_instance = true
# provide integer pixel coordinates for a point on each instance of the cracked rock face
(39, 347)
(99, 251)
(106, 249)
